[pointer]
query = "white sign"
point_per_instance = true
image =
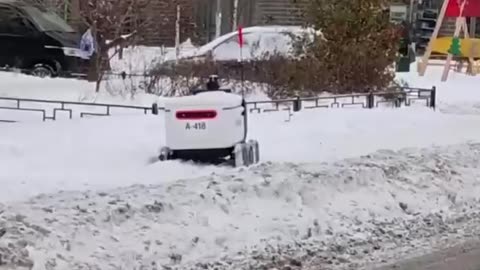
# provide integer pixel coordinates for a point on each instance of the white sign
(398, 13)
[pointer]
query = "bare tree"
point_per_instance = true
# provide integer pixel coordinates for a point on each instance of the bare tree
(113, 23)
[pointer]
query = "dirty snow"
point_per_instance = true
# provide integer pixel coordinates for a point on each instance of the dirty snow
(332, 215)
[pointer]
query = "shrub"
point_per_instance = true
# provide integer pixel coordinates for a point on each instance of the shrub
(358, 51)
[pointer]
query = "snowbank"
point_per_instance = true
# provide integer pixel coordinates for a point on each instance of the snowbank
(321, 216)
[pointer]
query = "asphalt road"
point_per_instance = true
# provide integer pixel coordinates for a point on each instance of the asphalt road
(465, 256)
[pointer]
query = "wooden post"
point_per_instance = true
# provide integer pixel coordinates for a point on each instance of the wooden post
(476, 64)
(446, 67)
(218, 19)
(235, 15)
(177, 35)
(66, 8)
(75, 13)
(471, 61)
(473, 27)
(460, 23)
(422, 67)
(410, 12)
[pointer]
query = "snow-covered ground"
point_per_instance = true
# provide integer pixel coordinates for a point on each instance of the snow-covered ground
(337, 188)
(42, 157)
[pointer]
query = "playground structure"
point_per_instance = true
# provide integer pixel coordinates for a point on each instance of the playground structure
(455, 48)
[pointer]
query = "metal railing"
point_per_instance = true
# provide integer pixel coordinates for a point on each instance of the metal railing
(405, 96)
(63, 106)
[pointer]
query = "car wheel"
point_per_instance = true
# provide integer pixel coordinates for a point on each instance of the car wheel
(42, 71)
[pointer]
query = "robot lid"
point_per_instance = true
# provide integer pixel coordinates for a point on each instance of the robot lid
(205, 99)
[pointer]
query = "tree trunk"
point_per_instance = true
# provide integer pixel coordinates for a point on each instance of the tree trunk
(92, 75)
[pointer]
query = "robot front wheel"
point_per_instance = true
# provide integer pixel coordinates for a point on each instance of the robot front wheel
(165, 154)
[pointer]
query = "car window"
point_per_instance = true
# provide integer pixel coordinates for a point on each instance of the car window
(230, 49)
(48, 20)
(272, 43)
(4, 18)
(11, 22)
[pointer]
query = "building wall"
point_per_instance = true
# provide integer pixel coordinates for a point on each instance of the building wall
(250, 13)
(206, 12)
(197, 17)
(281, 12)
(160, 29)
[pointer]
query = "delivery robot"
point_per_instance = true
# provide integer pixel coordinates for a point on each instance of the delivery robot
(209, 126)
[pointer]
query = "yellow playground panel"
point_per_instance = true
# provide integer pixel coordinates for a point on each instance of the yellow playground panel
(470, 47)
(455, 48)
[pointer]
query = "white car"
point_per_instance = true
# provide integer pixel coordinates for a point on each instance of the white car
(259, 41)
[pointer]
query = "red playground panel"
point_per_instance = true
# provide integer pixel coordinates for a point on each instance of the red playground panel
(472, 8)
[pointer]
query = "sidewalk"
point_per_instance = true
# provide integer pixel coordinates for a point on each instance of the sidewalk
(465, 256)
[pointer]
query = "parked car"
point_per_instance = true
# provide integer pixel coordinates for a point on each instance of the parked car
(38, 41)
(258, 42)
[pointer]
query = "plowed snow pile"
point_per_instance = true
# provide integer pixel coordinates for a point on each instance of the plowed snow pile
(333, 215)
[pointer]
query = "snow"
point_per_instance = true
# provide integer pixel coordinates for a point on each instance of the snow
(78, 154)
(140, 59)
(22, 86)
(336, 189)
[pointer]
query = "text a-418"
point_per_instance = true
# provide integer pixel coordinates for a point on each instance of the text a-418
(196, 126)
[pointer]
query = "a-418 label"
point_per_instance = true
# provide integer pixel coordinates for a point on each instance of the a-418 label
(196, 126)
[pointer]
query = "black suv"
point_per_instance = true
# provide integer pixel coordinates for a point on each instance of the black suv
(38, 42)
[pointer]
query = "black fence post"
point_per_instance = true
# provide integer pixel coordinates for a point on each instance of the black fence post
(297, 104)
(370, 100)
(154, 109)
(433, 97)
(397, 102)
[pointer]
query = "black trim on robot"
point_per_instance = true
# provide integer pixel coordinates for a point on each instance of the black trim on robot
(245, 115)
(213, 156)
